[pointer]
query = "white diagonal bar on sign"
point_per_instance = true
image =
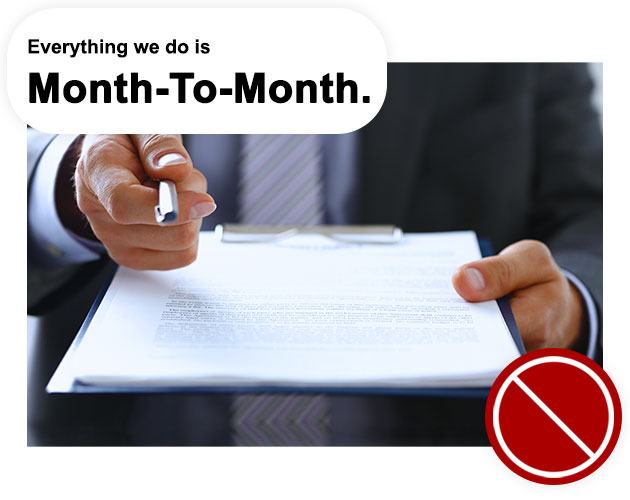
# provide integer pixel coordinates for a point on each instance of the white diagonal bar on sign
(549, 412)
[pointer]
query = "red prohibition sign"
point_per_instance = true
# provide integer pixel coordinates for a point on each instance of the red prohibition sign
(553, 416)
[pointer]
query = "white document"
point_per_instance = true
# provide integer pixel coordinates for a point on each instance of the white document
(305, 311)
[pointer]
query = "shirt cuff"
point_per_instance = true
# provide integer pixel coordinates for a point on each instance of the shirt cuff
(55, 245)
(591, 311)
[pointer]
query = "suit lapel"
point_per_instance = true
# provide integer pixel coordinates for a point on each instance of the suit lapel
(392, 145)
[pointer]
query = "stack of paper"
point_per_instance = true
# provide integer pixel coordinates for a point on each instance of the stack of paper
(304, 311)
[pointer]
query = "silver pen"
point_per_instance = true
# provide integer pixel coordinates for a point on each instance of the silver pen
(167, 208)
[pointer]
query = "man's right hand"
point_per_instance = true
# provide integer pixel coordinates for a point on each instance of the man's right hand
(116, 192)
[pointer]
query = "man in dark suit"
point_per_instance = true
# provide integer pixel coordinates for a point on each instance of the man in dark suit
(512, 151)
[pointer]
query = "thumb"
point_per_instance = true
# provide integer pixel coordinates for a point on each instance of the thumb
(520, 265)
(163, 156)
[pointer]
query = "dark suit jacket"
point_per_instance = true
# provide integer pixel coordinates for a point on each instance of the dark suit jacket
(512, 151)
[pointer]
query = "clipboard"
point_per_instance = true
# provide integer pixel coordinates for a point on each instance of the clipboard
(373, 235)
(62, 380)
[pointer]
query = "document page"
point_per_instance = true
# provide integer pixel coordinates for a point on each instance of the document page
(304, 311)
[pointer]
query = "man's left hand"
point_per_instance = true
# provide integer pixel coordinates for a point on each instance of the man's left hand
(548, 309)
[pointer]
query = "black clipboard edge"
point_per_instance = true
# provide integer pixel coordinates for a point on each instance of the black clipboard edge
(504, 302)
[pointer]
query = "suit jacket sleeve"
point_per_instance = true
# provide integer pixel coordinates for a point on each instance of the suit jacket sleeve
(47, 285)
(567, 195)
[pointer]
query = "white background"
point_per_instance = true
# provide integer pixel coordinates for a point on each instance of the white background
(413, 31)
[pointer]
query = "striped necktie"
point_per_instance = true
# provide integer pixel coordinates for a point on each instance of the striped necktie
(281, 180)
(280, 183)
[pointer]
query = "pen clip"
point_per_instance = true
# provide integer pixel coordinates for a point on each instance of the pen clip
(167, 208)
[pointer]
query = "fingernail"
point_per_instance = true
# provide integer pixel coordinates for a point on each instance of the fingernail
(202, 209)
(170, 159)
(475, 278)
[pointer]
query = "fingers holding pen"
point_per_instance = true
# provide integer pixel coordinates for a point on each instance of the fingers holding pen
(133, 204)
(116, 181)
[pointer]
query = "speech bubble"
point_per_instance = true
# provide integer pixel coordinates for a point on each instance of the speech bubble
(277, 70)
